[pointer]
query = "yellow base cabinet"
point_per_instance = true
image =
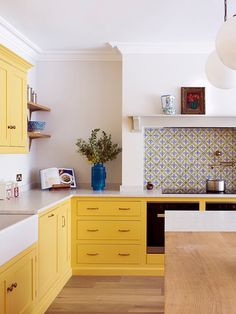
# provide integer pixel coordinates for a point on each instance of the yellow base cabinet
(13, 102)
(18, 283)
(109, 237)
(54, 250)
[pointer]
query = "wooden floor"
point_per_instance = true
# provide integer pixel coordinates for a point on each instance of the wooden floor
(113, 295)
(200, 273)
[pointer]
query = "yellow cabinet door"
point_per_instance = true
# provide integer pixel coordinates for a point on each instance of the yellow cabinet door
(108, 208)
(107, 229)
(64, 226)
(4, 134)
(21, 286)
(18, 285)
(16, 101)
(13, 102)
(108, 254)
(48, 251)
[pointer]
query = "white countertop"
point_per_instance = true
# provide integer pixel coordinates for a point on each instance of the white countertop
(19, 225)
(35, 201)
(200, 221)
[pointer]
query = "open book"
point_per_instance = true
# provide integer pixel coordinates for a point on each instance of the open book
(54, 176)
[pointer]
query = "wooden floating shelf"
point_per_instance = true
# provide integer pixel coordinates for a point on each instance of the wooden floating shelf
(33, 135)
(37, 107)
(181, 120)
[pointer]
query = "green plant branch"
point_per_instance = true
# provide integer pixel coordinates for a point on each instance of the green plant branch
(98, 149)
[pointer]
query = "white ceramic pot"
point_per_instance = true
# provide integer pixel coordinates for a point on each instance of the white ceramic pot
(168, 104)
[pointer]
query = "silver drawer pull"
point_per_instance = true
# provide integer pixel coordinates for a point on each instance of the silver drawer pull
(92, 254)
(160, 215)
(124, 230)
(92, 230)
(92, 208)
(124, 208)
(124, 254)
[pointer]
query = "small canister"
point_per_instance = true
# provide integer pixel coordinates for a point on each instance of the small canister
(2, 191)
(168, 104)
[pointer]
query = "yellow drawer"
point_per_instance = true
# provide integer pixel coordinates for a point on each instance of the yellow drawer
(109, 208)
(108, 254)
(156, 259)
(111, 230)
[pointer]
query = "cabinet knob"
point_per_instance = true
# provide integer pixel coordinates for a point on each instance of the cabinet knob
(92, 254)
(92, 230)
(14, 285)
(123, 254)
(9, 289)
(124, 208)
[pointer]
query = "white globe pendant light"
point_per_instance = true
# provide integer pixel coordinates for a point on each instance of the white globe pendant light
(226, 43)
(218, 74)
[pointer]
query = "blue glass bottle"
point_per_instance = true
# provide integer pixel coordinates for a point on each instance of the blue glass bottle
(98, 177)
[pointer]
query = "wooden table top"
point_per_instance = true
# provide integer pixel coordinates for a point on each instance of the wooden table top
(200, 273)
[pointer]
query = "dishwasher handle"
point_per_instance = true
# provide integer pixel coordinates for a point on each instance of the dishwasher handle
(160, 215)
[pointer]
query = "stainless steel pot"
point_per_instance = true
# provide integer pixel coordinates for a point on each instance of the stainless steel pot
(215, 185)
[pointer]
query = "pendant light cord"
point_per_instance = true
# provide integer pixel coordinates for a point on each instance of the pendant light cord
(225, 5)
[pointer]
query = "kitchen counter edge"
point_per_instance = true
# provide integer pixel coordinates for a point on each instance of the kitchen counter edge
(36, 201)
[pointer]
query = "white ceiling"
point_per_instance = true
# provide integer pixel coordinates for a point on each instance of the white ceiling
(90, 24)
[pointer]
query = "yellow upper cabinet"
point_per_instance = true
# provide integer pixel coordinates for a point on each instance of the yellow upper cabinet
(13, 102)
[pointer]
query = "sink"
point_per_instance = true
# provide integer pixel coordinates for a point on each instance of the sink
(17, 232)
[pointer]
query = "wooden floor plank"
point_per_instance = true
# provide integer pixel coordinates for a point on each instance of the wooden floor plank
(111, 295)
(200, 273)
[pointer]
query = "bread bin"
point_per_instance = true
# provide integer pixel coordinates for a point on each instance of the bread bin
(213, 185)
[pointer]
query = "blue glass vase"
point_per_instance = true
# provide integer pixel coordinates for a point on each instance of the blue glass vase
(98, 177)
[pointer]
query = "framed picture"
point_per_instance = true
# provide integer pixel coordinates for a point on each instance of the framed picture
(192, 100)
(67, 175)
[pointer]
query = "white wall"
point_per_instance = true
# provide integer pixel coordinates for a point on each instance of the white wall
(145, 78)
(82, 96)
(11, 164)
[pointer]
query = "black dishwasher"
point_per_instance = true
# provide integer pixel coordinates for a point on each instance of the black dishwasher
(220, 206)
(156, 222)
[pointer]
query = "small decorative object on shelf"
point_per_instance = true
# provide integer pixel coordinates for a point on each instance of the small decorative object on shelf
(149, 185)
(98, 151)
(193, 100)
(31, 95)
(168, 104)
(36, 126)
(32, 132)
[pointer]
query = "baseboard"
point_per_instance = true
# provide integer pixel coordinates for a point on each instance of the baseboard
(112, 271)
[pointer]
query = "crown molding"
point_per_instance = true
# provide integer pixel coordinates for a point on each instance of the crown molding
(80, 55)
(21, 45)
(16, 41)
(159, 48)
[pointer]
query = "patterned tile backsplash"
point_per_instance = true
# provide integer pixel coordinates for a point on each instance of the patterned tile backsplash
(182, 158)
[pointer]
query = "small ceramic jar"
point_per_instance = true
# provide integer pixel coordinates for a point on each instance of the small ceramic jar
(168, 104)
(149, 185)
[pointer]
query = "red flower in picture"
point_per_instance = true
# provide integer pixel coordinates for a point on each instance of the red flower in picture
(193, 100)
